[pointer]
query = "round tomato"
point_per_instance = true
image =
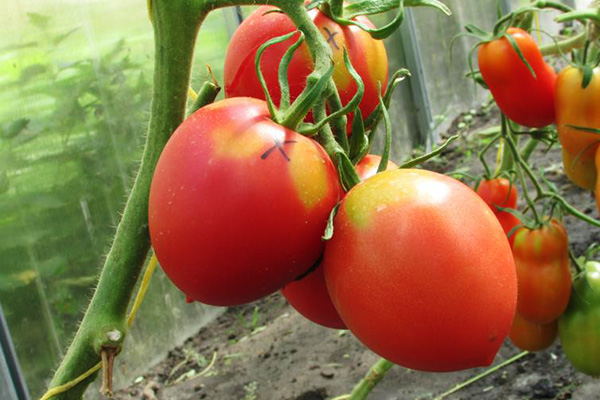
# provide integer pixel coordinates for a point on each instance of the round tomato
(542, 260)
(530, 336)
(579, 326)
(420, 271)
(368, 57)
(525, 99)
(309, 295)
(238, 204)
(498, 192)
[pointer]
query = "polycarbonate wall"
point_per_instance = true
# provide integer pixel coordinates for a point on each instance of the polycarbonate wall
(75, 85)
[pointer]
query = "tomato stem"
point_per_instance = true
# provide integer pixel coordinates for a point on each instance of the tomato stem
(564, 46)
(485, 373)
(373, 377)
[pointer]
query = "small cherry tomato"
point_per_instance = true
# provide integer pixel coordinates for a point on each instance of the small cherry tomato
(542, 260)
(238, 204)
(579, 326)
(530, 336)
(524, 98)
(420, 271)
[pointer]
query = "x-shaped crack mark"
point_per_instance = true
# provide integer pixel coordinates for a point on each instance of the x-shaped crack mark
(279, 146)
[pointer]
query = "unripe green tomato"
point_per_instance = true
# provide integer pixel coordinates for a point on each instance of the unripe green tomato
(579, 326)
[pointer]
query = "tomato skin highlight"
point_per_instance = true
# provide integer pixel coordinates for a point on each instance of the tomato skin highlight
(542, 260)
(530, 336)
(309, 295)
(368, 57)
(579, 325)
(238, 204)
(420, 271)
(525, 99)
(577, 106)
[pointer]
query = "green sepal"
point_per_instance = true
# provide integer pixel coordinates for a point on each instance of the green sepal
(369, 7)
(595, 131)
(348, 175)
(283, 72)
(314, 89)
(419, 160)
(515, 46)
(352, 104)
(272, 109)
(328, 234)
(314, 4)
(385, 155)
(588, 74)
(207, 94)
(359, 142)
(373, 119)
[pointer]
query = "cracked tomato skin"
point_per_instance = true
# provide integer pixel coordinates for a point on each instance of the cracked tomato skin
(368, 57)
(420, 271)
(542, 260)
(309, 295)
(525, 99)
(238, 204)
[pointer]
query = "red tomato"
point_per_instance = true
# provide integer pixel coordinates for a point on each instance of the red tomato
(309, 295)
(368, 56)
(542, 260)
(500, 192)
(525, 99)
(310, 298)
(530, 336)
(367, 167)
(420, 271)
(238, 204)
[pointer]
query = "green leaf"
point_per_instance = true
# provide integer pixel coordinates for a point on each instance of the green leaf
(283, 72)
(31, 71)
(4, 182)
(418, 160)
(429, 3)
(38, 20)
(348, 175)
(385, 155)
(60, 38)
(15, 128)
(368, 7)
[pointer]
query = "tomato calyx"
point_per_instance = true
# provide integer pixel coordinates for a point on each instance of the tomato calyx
(345, 14)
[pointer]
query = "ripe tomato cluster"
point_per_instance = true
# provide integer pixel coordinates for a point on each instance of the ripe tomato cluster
(550, 302)
(239, 204)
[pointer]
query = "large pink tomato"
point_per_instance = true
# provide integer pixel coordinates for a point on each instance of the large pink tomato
(368, 56)
(420, 271)
(309, 295)
(238, 204)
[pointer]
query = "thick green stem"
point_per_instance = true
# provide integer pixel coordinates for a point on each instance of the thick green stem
(176, 25)
(528, 149)
(564, 46)
(375, 374)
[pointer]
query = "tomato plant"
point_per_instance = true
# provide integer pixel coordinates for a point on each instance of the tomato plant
(542, 261)
(238, 204)
(309, 295)
(530, 336)
(368, 57)
(420, 271)
(524, 98)
(576, 110)
(579, 326)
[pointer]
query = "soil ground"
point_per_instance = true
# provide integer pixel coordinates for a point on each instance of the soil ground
(267, 351)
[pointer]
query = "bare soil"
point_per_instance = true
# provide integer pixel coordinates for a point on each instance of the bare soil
(267, 351)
